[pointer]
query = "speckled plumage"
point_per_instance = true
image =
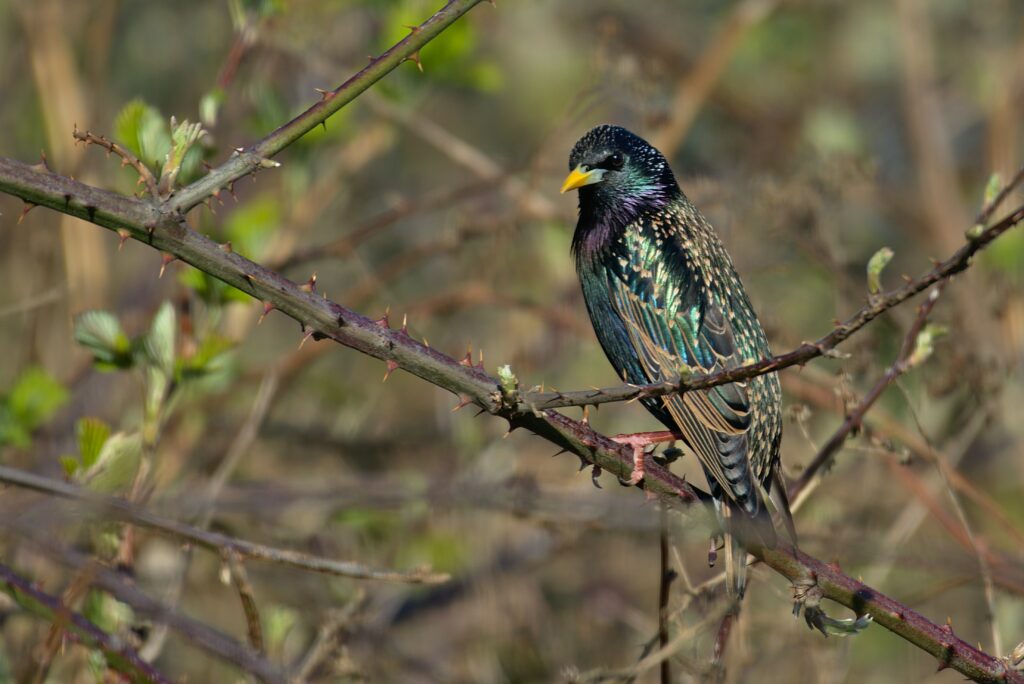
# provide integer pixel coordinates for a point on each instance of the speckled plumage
(665, 301)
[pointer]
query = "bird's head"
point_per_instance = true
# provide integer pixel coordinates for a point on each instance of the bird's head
(618, 171)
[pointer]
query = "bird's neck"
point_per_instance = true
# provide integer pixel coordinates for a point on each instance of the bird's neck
(603, 220)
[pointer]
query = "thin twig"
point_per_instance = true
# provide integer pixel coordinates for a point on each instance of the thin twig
(240, 578)
(984, 568)
(198, 633)
(900, 366)
(127, 158)
(212, 540)
(665, 577)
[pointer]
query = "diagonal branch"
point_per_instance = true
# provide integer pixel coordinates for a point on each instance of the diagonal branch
(119, 654)
(250, 159)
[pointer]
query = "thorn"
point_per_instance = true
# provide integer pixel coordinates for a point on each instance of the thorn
(24, 211)
(324, 124)
(248, 279)
(310, 285)
(43, 166)
(371, 58)
(949, 624)
(227, 247)
(426, 343)
(595, 473)
(586, 415)
(267, 308)
(906, 278)
(122, 235)
(413, 30)
(308, 333)
(392, 367)
(467, 360)
(415, 57)
(164, 260)
(463, 402)
(324, 94)
(481, 411)
(231, 191)
(383, 320)
(560, 452)
(405, 325)
(216, 196)
(481, 357)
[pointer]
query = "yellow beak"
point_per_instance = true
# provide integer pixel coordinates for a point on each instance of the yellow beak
(579, 177)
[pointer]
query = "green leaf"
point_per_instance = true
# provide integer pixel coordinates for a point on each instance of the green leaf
(208, 357)
(209, 107)
(100, 332)
(924, 346)
(116, 465)
(36, 396)
(209, 289)
(992, 189)
(183, 137)
(879, 260)
(144, 130)
(70, 464)
(158, 344)
(92, 434)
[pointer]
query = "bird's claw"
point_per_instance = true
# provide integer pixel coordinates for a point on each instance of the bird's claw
(807, 596)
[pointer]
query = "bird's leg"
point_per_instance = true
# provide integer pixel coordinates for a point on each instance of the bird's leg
(640, 441)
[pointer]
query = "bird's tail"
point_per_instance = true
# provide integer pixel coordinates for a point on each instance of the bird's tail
(740, 529)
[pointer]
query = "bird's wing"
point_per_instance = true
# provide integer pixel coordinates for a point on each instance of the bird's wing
(675, 328)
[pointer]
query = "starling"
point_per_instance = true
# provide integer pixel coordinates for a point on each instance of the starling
(665, 301)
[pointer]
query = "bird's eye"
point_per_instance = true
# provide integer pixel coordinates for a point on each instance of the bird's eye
(615, 161)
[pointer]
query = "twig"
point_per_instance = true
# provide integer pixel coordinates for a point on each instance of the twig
(328, 636)
(240, 579)
(217, 542)
(900, 366)
(979, 550)
(665, 577)
(120, 656)
(126, 155)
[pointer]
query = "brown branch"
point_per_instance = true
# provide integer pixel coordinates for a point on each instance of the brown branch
(211, 540)
(240, 578)
(126, 155)
(120, 656)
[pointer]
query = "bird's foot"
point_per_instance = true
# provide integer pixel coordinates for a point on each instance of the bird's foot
(807, 596)
(640, 441)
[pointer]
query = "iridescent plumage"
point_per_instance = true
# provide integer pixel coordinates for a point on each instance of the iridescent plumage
(665, 301)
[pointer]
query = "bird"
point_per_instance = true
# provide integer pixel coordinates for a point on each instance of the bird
(666, 302)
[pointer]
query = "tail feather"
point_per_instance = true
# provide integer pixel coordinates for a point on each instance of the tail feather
(741, 530)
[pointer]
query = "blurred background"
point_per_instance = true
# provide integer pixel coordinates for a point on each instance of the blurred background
(812, 134)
